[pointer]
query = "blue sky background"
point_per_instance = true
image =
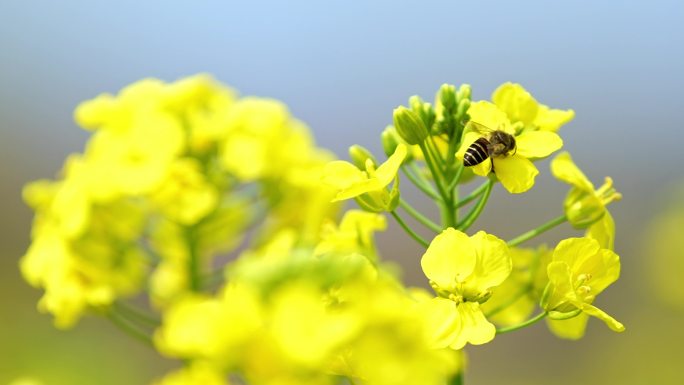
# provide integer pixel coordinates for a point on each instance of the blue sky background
(342, 67)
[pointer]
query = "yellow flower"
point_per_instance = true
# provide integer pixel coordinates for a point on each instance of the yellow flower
(197, 373)
(197, 326)
(463, 270)
(354, 234)
(585, 206)
(515, 170)
(185, 196)
(369, 186)
(521, 106)
(579, 271)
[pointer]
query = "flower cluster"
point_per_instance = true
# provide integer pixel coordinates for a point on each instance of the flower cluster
(208, 226)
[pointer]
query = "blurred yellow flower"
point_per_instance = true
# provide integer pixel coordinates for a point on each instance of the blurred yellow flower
(354, 234)
(515, 171)
(369, 186)
(579, 271)
(462, 270)
(197, 373)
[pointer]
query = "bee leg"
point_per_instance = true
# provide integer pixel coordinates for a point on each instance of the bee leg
(491, 159)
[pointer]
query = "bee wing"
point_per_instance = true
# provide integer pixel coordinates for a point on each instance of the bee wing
(478, 127)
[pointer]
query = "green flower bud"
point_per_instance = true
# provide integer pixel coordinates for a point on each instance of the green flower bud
(389, 140)
(409, 125)
(359, 154)
(447, 97)
(464, 92)
(462, 110)
(423, 109)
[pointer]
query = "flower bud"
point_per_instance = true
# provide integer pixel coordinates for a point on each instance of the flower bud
(447, 97)
(389, 140)
(359, 154)
(464, 92)
(409, 125)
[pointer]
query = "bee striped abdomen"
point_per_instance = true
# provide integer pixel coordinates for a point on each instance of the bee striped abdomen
(476, 153)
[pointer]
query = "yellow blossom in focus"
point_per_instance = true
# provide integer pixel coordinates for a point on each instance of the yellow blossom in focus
(515, 171)
(520, 106)
(369, 186)
(579, 271)
(463, 271)
(585, 206)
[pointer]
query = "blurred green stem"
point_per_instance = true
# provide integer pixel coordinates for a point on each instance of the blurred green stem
(125, 325)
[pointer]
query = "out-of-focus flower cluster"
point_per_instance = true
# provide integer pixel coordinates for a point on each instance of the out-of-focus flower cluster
(173, 175)
(208, 226)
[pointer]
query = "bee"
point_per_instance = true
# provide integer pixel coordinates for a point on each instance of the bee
(495, 143)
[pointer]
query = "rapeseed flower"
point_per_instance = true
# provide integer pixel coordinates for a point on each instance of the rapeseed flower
(580, 269)
(585, 206)
(463, 271)
(369, 187)
(515, 170)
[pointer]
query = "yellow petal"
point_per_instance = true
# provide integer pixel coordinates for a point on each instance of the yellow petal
(442, 321)
(388, 170)
(475, 329)
(575, 251)
(603, 231)
(563, 168)
(516, 102)
(490, 116)
(341, 174)
(449, 259)
(493, 265)
(585, 256)
(611, 322)
(551, 120)
(571, 329)
(358, 189)
(515, 172)
(561, 288)
(537, 144)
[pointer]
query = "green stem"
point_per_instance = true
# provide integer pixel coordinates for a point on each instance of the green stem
(475, 212)
(421, 184)
(434, 151)
(409, 231)
(534, 232)
(134, 313)
(474, 194)
(419, 216)
(436, 175)
(456, 379)
(193, 260)
(525, 324)
(124, 325)
(448, 211)
(457, 177)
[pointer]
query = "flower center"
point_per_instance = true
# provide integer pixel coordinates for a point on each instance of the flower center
(607, 192)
